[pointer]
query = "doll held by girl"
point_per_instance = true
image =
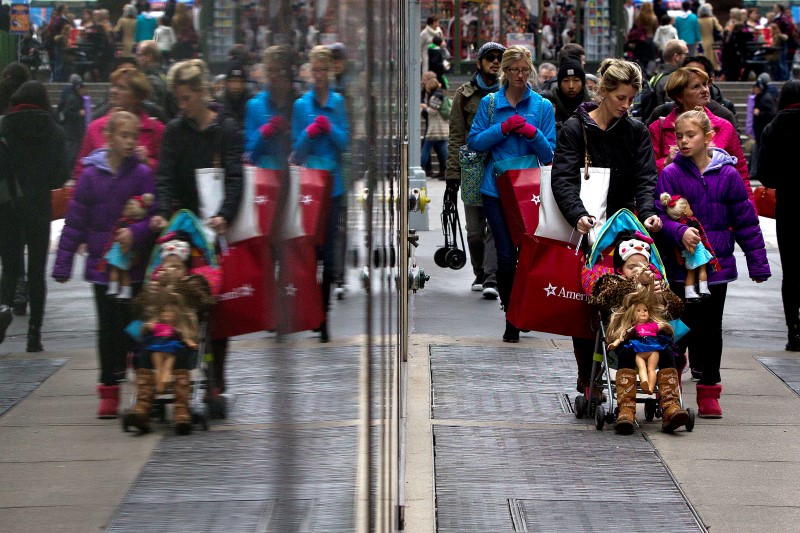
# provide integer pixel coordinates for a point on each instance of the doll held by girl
(118, 257)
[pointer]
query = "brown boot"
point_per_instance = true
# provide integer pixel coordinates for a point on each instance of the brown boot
(672, 416)
(139, 416)
(626, 400)
(183, 389)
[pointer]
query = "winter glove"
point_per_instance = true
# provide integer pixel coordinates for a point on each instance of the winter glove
(512, 123)
(320, 126)
(275, 126)
(527, 130)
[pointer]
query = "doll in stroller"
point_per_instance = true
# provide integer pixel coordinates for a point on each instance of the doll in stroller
(636, 277)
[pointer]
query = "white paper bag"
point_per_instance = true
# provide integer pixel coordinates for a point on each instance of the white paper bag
(210, 195)
(245, 224)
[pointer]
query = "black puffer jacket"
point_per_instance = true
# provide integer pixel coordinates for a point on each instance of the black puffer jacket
(625, 148)
(184, 149)
(38, 152)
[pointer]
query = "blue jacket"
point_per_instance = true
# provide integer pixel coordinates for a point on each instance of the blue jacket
(688, 27)
(719, 201)
(258, 112)
(486, 136)
(329, 146)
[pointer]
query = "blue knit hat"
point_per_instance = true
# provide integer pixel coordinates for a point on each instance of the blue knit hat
(488, 47)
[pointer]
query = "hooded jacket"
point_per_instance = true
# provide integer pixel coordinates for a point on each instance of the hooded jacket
(486, 136)
(624, 147)
(719, 201)
(725, 137)
(186, 149)
(37, 149)
(94, 211)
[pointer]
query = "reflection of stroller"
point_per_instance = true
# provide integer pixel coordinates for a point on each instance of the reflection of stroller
(204, 279)
(589, 404)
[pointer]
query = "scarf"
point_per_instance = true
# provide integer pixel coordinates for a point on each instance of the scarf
(482, 84)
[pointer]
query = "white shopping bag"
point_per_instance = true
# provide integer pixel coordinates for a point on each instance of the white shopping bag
(245, 224)
(210, 194)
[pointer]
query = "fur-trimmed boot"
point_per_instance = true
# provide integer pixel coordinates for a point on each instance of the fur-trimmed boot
(183, 389)
(672, 416)
(708, 401)
(626, 400)
(109, 401)
(139, 415)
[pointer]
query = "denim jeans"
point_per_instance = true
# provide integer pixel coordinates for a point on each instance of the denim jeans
(440, 147)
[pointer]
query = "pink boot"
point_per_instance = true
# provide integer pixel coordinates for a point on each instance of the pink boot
(109, 401)
(708, 401)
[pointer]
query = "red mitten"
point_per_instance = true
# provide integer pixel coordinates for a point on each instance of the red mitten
(323, 122)
(276, 125)
(528, 130)
(512, 123)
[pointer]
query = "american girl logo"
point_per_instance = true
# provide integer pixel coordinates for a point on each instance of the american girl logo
(560, 292)
(245, 291)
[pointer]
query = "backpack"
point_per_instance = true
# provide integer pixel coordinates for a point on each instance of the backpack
(446, 107)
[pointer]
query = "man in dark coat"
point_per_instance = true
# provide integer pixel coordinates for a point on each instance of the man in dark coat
(570, 92)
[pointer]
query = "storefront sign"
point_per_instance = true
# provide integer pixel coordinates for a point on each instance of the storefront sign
(20, 19)
(523, 39)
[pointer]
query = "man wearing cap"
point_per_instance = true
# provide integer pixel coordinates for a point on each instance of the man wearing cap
(465, 106)
(570, 91)
(236, 95)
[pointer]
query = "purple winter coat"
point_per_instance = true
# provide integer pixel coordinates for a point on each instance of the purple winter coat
(719, 201)
(94, 212)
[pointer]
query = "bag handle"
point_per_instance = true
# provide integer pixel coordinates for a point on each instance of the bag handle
(587, 159)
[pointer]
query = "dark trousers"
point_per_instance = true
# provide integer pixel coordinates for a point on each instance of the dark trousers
(790, 255)
(704, 341)
(507, 253)
(328, 253)
(27, 221)
(113, 344)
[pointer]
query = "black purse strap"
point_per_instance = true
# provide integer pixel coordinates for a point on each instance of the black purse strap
(587, 159)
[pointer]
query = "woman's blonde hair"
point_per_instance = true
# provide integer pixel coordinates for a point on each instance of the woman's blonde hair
(680, 79)
(192, 73)
(136, 79)
(118, 117)
(623, 318)
(281, 56)
(322, 54)
(698, 116)
(512, 55)
(615, 72)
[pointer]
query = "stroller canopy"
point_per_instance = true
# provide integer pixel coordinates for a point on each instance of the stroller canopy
(622, 221)
(187, 222)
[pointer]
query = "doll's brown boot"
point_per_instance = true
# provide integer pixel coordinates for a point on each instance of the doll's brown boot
(183, 389)
(626, 400)
(139, 415)
(672, 416)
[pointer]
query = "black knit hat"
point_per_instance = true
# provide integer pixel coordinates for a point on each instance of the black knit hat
(571, 67)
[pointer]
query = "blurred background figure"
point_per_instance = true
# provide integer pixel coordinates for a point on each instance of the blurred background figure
(72, 116)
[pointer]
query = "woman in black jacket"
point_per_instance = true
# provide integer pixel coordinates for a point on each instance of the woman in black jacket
(615, 141)
(33, 161)
(201, 137)
(777, 169)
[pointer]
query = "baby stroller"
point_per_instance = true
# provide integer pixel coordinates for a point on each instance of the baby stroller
(204, 278)
(590, 403)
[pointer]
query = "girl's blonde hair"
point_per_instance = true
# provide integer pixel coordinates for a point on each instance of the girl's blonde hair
(192, 73)
(118, 117)
(624, 318)
(614, 72)
(512, 55)
(698, 116)
(322, 54)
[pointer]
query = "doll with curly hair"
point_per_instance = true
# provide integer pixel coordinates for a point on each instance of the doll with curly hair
(638, 327)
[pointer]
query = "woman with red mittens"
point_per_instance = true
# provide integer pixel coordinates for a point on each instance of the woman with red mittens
(513, 122)
(268, 115)
(320, 129)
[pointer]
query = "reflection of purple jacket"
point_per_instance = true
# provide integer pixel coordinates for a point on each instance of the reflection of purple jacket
(719, 201)
(94, 211)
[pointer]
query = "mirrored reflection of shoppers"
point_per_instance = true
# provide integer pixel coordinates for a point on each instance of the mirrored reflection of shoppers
(201, 137)
(522, 123)
(615, 141)
(34, 158)
(777, 169)
(436, 124)
(482, 253)
(72, 115)
(320, 128)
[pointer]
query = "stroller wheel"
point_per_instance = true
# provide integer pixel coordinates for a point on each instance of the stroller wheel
(690, 423)
(438, 257)
(580, 406)
(456, 258)
(649, 410)
(599, 417)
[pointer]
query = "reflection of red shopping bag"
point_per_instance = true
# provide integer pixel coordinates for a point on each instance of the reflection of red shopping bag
(261, 189)
(267, 197)
(519, 195)
(246, 301)
(300, 294)
(547, 294)
(314, 198)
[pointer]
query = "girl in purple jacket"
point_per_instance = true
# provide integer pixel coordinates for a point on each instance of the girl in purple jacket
(708, 179)
(110, 177)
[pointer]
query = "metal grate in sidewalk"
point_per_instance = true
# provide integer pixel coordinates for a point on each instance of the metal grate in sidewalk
(786, 369)
(18, 378)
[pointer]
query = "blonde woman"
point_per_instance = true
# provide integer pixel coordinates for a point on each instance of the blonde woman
(522, 123)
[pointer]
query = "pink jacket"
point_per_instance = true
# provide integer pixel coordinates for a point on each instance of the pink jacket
(150, 131)
(662, 133)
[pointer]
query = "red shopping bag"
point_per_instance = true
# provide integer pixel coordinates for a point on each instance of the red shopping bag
(547, 295)
(246, 301)
(267, 197)
(300, 295)
(519, 196)
(314, 197)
